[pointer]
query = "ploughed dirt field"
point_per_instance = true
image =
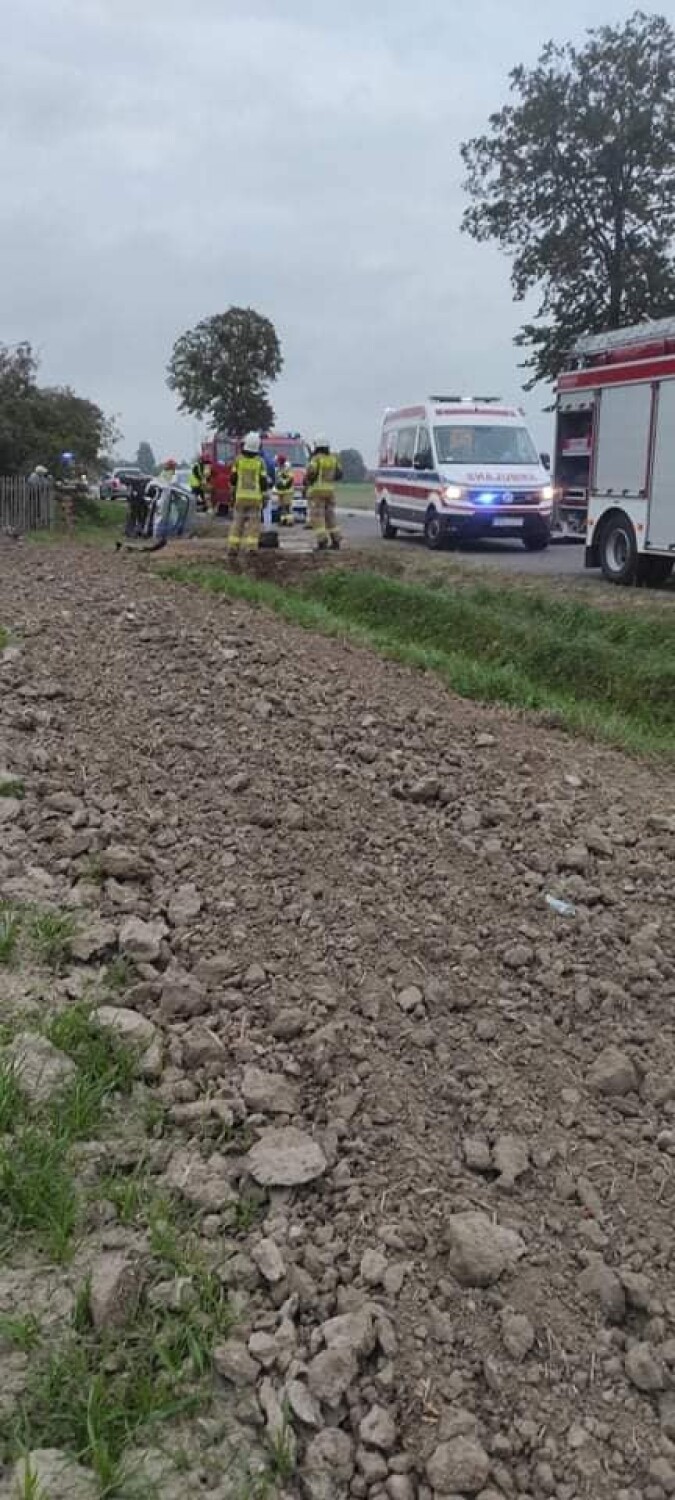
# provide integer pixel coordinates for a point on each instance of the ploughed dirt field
(413, 1127)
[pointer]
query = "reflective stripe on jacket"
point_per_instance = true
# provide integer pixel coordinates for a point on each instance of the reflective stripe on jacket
(250, 479)
(323, 471)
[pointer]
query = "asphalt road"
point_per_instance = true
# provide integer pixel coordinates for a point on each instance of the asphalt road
(561, 559)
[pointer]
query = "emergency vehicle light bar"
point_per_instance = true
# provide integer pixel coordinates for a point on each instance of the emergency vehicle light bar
(469, 400)
(619, 338)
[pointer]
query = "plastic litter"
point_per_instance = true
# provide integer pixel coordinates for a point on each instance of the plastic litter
(561, 908)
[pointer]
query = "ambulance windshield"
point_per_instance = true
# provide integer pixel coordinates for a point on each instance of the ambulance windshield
(458, 444)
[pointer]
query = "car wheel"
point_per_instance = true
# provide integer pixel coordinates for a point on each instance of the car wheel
(387, 531)
(537, 539)
(434, 531)
(618, 550)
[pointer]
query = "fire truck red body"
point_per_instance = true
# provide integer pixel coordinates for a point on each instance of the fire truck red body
(615, 451)
(219, 453)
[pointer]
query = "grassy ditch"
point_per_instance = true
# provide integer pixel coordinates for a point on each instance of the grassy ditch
(606, 674)
(96, 522)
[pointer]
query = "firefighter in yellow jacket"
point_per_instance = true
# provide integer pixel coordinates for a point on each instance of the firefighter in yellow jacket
(248, 483)
(323, 473)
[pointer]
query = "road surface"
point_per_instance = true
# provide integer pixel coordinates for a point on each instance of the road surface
(560, 559)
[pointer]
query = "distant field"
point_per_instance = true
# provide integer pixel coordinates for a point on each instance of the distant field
(356, 496)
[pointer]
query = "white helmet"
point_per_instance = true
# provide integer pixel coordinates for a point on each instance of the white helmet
(321, 441)
(252, 442)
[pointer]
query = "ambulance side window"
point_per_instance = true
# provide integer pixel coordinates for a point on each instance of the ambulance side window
(405, 447)
(388, 450)
(423, 454)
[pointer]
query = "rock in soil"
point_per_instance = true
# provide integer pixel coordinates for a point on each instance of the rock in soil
(42, 1072)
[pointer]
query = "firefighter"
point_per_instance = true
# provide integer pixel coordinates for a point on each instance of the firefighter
(199, 481)
(285, 487)
(167, 473)
(249, 483)
(323, 473)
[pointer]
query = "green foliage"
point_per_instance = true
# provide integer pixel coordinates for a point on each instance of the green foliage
(353, 468)
(575, 181)
(38, 424)
(222, 369)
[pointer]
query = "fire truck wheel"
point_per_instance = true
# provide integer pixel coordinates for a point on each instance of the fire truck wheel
(618, 549)
(387, 531)
(434, 532)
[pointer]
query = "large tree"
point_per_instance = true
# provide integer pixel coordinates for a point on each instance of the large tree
(39, 424)
(222, 370)
(353, 468)
(145, 458)
(575, 179)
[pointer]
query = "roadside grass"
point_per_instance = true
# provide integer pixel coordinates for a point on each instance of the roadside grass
(44, 935)
(10, 929)
(39, 1195)
(608, 675)
(356, 497)
(12, 786)
(51, 934)
(96, 522)
(92, 1394)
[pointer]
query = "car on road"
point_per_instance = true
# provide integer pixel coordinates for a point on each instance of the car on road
(459, 468)
(113, 486)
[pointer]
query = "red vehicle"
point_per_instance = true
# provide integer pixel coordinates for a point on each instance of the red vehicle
(219, 453)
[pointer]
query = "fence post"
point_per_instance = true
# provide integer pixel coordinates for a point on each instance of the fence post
(26, 506)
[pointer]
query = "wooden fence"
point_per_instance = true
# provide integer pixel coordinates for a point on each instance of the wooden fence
(26, 505)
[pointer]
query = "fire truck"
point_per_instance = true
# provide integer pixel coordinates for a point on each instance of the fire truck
(615, 451)
(219, 453)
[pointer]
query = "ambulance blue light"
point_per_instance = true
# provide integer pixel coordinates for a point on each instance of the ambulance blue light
(486, 499)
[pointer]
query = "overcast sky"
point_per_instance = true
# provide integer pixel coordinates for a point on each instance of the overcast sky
(162, 159)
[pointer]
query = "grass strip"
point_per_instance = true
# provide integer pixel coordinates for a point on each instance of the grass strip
(609, 675)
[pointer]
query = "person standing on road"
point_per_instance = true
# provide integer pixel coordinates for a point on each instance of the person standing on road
(198, 481)
(323, 473)
(167, 473)
(285, 487)
(249, 483)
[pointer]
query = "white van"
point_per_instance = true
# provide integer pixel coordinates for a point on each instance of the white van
(460, 467)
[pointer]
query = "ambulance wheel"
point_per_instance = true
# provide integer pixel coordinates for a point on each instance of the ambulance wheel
(618, 549)
(537, 539)
(434, 531)
(387, 531)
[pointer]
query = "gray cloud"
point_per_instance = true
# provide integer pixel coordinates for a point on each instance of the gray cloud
(161, 159)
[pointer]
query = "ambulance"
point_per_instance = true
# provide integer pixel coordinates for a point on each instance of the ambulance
(459, 468)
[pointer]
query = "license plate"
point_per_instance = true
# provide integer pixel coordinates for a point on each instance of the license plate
(507, 521)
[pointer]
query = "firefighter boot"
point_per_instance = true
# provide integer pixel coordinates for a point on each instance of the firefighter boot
(335, 541)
